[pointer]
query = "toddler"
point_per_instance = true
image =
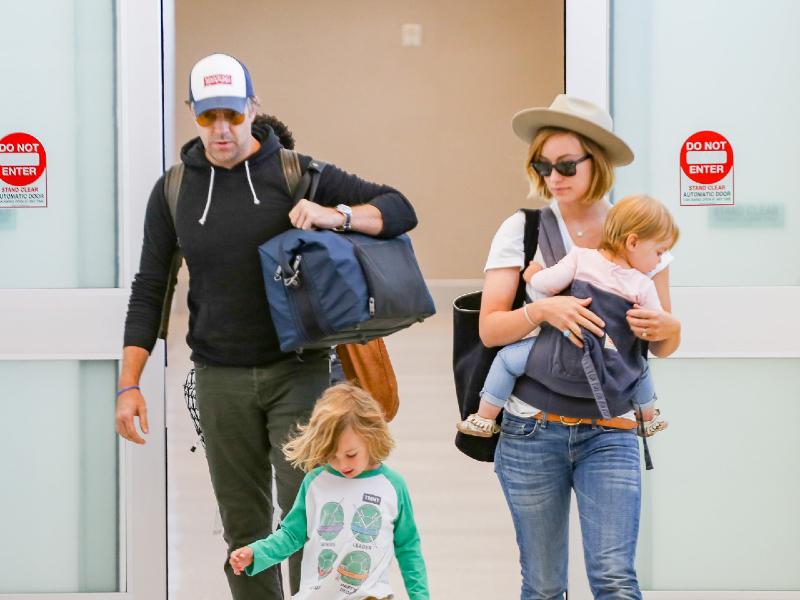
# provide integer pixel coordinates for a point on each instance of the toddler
(352, 515)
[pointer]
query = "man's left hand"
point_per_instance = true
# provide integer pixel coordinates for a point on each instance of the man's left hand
(309, 215)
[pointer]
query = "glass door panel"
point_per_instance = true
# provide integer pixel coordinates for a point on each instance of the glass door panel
(720, 507)
(668, 81)
(58, 65)
(59, 454)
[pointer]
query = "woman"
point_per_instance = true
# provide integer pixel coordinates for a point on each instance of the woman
(541, 457)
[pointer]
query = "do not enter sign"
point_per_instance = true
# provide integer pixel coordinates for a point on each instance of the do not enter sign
(706, 165)
(23, 163)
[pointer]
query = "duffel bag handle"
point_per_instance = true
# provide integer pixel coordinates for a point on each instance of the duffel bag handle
(309, 182)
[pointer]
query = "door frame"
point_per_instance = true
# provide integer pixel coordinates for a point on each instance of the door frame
(588, 75)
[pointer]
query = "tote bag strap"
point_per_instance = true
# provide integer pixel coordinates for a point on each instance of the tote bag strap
(532, 219)
(531, 242)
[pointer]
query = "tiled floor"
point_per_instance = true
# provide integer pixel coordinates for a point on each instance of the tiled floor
(467, 536)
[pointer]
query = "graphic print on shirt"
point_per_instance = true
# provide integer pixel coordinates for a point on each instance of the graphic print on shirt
(354, 568)
(325, 563)
(366, 523)
(331, 520)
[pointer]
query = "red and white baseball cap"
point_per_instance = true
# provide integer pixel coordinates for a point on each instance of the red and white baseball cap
(219, 81)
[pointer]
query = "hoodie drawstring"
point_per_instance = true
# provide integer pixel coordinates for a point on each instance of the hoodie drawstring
(202, 220)
(252, 189)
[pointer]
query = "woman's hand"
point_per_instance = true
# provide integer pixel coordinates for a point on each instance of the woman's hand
(658, 327)
(568, 313)
(652, 325)
(499, 325)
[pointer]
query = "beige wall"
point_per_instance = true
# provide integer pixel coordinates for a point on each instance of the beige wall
(433, 121)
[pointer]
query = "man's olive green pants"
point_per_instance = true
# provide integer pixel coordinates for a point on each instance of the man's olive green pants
(246, 415)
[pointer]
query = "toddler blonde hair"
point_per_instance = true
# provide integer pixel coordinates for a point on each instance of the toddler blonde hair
(641, 215)
(341, 406)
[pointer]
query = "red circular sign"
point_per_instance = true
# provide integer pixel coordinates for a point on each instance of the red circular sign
(706, 157)
(22, 159)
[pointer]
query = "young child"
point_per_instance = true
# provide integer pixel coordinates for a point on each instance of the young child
(352, 515)
(636, 232)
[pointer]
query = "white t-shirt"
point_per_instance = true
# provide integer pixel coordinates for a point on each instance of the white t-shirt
(508, 250)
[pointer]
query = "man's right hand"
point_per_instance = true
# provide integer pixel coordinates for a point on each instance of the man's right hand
(129, 405)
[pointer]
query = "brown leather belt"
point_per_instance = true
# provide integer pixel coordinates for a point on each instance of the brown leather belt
(615, 423)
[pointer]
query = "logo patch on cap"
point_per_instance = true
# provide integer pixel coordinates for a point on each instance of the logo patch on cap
(217, 80)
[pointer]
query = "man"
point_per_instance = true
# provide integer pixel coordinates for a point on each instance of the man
(250, 395)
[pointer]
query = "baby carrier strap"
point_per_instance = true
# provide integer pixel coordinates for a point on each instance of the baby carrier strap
(550, 240)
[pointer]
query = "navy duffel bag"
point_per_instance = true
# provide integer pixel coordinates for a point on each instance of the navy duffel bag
(326, 288)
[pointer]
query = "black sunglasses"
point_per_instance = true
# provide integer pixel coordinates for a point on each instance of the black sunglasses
(567, 168)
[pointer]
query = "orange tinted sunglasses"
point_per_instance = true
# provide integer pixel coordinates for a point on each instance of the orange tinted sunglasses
(209, 117)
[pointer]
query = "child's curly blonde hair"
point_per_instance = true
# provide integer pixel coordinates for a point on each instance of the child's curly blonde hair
(341, 406)
(641, 215)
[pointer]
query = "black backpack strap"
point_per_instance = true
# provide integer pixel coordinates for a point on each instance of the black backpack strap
(173, 179)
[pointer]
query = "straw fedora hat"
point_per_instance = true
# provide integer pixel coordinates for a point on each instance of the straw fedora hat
(580, 116)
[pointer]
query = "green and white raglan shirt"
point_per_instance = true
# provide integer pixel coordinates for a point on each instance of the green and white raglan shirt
(351, 529)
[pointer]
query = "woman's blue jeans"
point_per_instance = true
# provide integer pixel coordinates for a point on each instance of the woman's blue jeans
(538, 464)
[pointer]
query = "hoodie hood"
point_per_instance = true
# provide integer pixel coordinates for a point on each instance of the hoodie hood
(193, 155)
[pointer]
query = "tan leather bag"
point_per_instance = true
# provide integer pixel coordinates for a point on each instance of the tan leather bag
(368, 366)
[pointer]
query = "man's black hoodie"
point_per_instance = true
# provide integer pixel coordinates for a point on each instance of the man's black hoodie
(222, 218)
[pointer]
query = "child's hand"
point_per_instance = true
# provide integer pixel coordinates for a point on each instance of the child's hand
(532, 269)
(241, 559)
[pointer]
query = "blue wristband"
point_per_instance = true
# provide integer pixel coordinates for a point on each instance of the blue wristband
(127, 389)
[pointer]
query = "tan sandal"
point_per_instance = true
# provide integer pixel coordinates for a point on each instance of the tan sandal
(478, 426)
(654, 425)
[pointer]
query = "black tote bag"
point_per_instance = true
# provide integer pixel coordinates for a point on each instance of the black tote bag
(471, 359)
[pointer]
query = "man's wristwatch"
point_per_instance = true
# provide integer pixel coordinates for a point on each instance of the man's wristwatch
(348, 216)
